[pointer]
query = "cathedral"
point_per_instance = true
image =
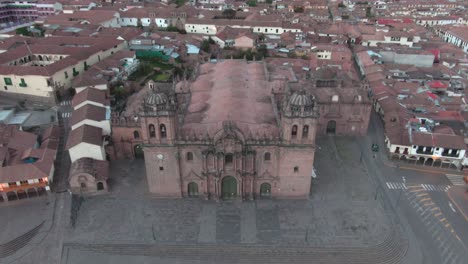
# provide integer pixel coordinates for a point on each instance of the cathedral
(236, 129)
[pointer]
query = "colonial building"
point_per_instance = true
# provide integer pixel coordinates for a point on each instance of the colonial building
(235, 130)
(223, 135)
(27, 162)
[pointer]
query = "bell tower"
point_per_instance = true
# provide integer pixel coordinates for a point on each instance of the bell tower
(158, 114)
(299, 118)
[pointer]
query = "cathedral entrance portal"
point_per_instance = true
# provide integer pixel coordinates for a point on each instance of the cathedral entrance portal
(229, 187)
(331, 127)
(138, 150)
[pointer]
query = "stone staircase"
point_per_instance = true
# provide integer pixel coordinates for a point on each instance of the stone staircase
(390, 251)
(16, 244)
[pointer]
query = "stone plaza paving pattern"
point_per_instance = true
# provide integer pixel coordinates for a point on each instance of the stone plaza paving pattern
(340, 223)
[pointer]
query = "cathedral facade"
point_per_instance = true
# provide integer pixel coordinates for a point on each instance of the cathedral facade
(233, 131)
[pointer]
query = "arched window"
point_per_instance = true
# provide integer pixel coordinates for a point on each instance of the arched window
(305, 131)
(296, 169)
(100, 186)
(162, 130)
(294, 131)
(152, 131)
(189, 156)
(83, 185)
(267, 156)
(228, 159)
(136, 135)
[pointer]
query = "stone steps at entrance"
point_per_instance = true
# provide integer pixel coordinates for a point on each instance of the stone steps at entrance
(16, 244)
(390, 251)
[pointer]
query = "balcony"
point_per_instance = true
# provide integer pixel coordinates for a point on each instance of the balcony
(23, 85)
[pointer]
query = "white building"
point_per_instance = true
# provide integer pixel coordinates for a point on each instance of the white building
(86, 142)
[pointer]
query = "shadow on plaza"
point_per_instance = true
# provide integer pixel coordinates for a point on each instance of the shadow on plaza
(341, 210)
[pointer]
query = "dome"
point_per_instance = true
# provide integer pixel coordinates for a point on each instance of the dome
(300, 98)
(156, 99)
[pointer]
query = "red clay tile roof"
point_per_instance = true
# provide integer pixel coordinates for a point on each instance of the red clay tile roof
(437, 140)
(90, 112)
(85, 134)
(90, 94)
(18, 169)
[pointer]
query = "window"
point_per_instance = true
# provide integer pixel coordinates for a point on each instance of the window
(41, 180)
(8, 81)
(162, 130)
(6, 88)
(161, 168)
(23, 83)
(189, 156)
(228, 159)
(23, 182)
(66, 75)
(83, 185)
(296, 169)
(267, 156)
(305, 131)
(152, 131)
(136, 135)
(294, 131)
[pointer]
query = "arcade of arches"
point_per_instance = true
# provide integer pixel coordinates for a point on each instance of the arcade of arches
(22, 194)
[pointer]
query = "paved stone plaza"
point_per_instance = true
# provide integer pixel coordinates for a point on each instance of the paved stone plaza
(341, 212)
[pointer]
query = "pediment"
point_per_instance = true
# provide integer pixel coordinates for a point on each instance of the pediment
(193, 176)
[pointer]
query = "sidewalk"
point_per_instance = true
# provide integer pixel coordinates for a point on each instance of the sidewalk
(459, 197)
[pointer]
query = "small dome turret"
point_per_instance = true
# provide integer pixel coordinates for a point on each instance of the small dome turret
(155, 99)
(300, 98)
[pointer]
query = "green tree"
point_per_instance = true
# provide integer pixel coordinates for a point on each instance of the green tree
(298, 9)
(229, 13)
(262, 51)
(205, 46)
(252, 3)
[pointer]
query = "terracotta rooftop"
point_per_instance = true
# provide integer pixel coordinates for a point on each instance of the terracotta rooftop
(21, 146)
(90, 94)
(89, 112)
(85, 134)
(231, 90)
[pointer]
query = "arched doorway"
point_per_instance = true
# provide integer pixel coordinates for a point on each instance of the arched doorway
(138, 150)
(12, 196)
(265, 190)
(192, 189)
(229, 187)
(331, 127)
(100, 186)
(429, 162)
(22, 194)
(41, 191)
(32, 192)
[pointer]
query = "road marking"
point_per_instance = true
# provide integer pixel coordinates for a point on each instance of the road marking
(455, 179)
(451, 207)
(458, 207)
(396, 186)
